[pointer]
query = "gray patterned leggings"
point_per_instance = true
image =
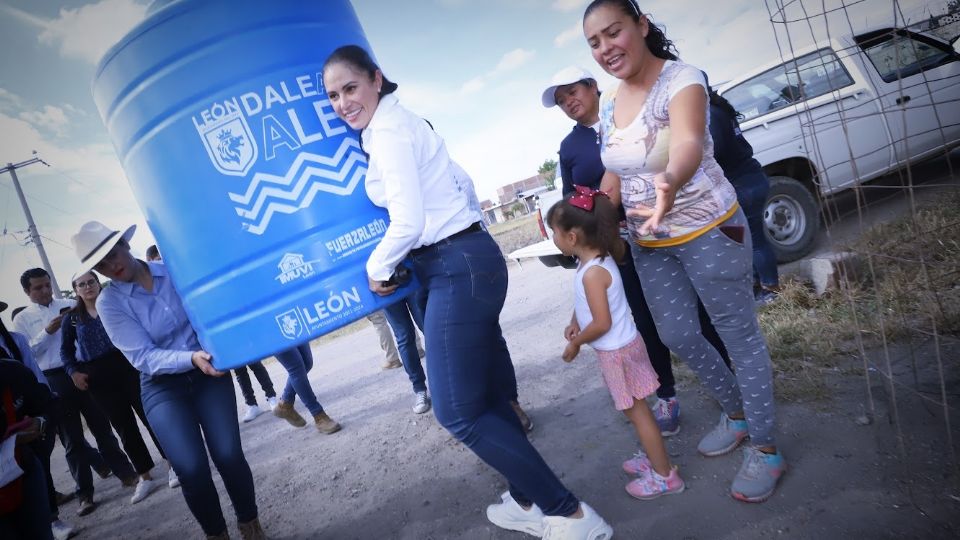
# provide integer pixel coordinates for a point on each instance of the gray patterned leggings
(719, 270)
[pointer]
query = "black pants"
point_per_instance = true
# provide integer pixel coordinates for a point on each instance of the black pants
(115, 386)
(246, 388)
(73, 403)
(42, 449)
(32, 520)
(658, 352)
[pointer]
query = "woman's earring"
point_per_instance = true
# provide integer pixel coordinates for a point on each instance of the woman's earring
(379, 90)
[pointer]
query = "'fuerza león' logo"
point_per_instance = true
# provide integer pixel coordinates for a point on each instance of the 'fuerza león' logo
(280, 120)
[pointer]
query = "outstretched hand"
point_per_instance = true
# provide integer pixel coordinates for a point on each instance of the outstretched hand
(666, 195)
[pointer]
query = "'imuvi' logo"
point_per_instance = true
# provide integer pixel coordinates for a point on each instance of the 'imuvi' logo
(229, 144)
(291, 325)
(292, 266)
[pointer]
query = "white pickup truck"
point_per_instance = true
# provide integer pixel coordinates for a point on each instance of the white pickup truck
(843, 112)
(545, 250)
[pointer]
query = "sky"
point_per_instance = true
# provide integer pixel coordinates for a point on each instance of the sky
(474, 68)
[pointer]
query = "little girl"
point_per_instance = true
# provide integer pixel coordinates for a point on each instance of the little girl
(586, 226)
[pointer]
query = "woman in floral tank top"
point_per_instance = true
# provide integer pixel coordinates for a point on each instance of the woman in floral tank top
(689, 236)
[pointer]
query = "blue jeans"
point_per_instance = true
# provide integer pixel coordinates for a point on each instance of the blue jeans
(509, 376)
(185, 410)
(298, 361)
(752, 189)
(470, 374)
(401, 316)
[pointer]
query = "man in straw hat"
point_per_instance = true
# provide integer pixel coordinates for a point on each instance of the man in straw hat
(182, 393)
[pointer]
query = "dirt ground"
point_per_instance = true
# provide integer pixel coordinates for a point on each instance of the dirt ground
(393, 474)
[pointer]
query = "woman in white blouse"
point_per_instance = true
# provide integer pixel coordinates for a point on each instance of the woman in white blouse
(433, 226)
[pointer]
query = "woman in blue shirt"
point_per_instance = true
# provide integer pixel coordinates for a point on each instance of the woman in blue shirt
(101, 369)
(735, 156)
(190, 405)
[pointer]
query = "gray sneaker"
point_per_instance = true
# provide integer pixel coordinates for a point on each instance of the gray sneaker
(422, 403)
(758, 476)
(724, 438)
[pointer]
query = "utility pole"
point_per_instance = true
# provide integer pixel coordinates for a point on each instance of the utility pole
(31, 226)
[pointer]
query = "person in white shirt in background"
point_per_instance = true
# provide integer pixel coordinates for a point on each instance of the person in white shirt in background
(433, 227)
(40, 323)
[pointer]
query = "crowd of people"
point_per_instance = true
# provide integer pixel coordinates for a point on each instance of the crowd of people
(662, 211)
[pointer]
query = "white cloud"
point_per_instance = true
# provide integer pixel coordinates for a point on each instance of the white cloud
(82, 183)
(51, 118)
(510, 61)
(514, 59)
(570, 34)
(427, 100)
(474, 85)
(87, 32)
(567, 5)
(9, 101)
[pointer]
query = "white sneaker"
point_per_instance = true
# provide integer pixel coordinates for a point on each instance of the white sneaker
(590, 527)
(144, 487)
(272, 402)
(61, 530)
(510, 515)
(252, 412)
(172, 479)
(422, 403)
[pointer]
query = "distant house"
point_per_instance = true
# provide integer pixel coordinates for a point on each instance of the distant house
(511, 192)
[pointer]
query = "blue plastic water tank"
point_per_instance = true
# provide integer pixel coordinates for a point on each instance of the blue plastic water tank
(250, 183)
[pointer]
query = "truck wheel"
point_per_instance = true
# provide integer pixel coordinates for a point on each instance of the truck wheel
(550, 260)
(792, 218)
(558, 260)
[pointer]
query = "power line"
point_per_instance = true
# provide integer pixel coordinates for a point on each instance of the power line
(61, 244)
(45, 203)
(34, 233)
(57, 170)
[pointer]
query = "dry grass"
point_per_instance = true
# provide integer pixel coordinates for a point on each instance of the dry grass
(909, 284)
(516, 233)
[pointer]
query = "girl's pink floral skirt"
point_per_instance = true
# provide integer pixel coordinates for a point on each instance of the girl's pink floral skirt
(627, 373)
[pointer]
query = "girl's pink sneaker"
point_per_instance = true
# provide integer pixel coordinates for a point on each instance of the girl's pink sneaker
(652, 485)
(638, 465)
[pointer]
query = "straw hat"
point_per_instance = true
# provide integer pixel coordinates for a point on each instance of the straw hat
(94, 241)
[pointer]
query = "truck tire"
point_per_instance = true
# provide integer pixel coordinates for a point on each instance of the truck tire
(558, 260)
(791, 218)
(550, 261)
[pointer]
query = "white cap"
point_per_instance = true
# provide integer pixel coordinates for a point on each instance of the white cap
(565, 76)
